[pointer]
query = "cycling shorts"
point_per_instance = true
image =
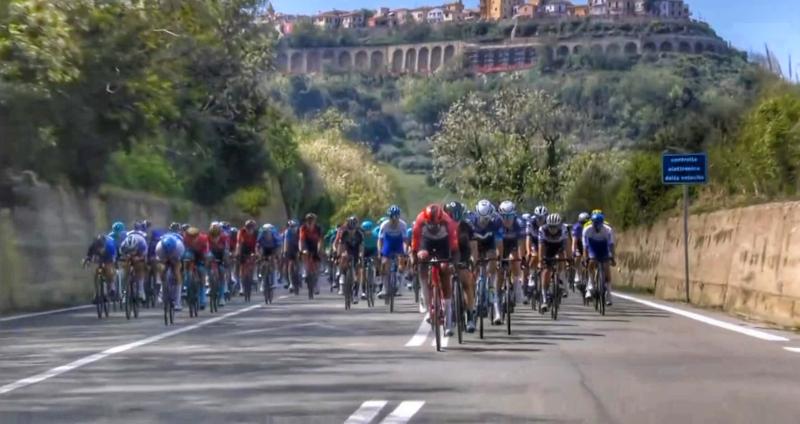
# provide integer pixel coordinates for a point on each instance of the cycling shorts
(510, 246)
(437, 248)
(291, 254)
(486, 245)
(392, 247)
(218, 255)
(174, 256)
(370, 253)
(551, 250)
(268, 251)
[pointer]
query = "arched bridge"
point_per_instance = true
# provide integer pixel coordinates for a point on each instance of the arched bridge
(484, 58)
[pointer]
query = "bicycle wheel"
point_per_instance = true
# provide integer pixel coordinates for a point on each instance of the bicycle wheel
(135, 300)
(416, 288)
(128, 296)
(508, 292)
(98, 294)
(436, 315)
(370, 288)
(311, 281)
(391, 289)
(482, 302)
(347, 289)
(602, 287)
(457, 309)
(556, 297)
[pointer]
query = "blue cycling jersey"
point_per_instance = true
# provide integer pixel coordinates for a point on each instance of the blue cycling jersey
(266, 242)
(486, 229)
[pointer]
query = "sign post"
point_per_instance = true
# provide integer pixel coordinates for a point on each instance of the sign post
(685, 169)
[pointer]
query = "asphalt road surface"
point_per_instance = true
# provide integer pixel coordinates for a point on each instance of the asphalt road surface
(301, 361)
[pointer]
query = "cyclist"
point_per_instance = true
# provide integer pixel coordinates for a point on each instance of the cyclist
(553, 238)
(290, 250)
(269, 244)
(245, 251)
(468, 249)
(411, 271)
(512, 232)
(197, 250)
(598, 242)
(118, 233)
(153, 238)
(596, 212)
(488, 235)
(169, 251)
(134, 251)
(104, 252)
(329, 238)
(435, 236)
(349, 245)
(577, 246)
(392, 243)
(220, 247)
(310, 244)
(370, 252)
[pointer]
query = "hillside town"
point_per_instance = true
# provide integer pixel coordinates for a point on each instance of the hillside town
(488, 10)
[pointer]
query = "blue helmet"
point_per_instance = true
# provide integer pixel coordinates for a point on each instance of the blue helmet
(169, 244)
(118, 227)
(598, 219)
(367, 225)
(393, 211)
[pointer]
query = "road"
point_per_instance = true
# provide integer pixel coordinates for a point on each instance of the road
(301, 361)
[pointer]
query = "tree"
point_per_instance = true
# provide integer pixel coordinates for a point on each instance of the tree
(506, 145)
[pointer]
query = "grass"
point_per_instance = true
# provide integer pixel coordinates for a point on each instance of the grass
(412, 192)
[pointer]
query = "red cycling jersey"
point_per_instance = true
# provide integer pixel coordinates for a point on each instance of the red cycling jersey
(220, 244)
(247, 240)
(448, 230)
(310, 236)
(197, 244)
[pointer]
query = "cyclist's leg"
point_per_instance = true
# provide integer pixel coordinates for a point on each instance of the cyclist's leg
(467, 279)
(447, 293)
(590, 285)
(516, 275)
(607, 271)
(139, 273)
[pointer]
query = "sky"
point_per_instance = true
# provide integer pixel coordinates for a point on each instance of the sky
(748, 24)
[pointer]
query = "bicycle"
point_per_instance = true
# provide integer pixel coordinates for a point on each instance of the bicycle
(332, 271)
(215, 282)
(555, 294)
(191, 280)
(311, 280)
(349, 276)
(369, 274)
(247, 277)
(458, 306)
(482, 306)
(100, 298)
(168, 289)
(435, 308)
(600, 288)
(131, 292)
(506, 295)
(391, 285)
(266, 277)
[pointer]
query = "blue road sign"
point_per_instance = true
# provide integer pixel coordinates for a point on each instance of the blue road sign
(684, 168)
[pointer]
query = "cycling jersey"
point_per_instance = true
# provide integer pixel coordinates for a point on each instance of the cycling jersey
(196, 245)
(392, 237)
(487, 233)
(533, 231)
(330, 236)
(152, 241)
(511, 235)
(553, 240)
(598, 243)
(439, 240)
(466, 235)
(118, 238)
(309, 238)
(247, 242)
(370, 244)
(108, 254)
(290, 240)
(233, 240)
(351, 240)
(268, 241)
(219, 246)
(174, 256)
(577, 234)
(140, 245)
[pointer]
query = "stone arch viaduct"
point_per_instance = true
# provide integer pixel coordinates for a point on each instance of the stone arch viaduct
(423, 58)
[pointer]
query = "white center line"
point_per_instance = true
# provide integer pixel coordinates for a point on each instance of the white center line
(403, 413)
(367, 412)
(793, 349)
(38, 378)
(707, 320)
(38, 314)
(421, 335)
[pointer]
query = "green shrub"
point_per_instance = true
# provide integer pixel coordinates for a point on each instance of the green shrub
(144, 169)
(251, 199)
(642, 197)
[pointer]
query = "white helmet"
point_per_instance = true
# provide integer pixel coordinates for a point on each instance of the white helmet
(484, 209)
(541, 211)
(268, 227)
(554, 220)
(583, 217)
(508, 208)
(526, 217)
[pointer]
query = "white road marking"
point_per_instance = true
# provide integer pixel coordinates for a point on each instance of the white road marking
(38, 378)
(403, 413)
(283, 297)
(793, 349)
(445, 339)
(707, 320)
(367, 412)
(38, 314)
(421, 335)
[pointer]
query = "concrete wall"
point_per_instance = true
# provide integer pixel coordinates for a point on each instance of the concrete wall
(44, 233)
(745, 261)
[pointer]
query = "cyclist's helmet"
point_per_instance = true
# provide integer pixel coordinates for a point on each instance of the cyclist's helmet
(367, 226)
(597, 211)
(352, 222)
(118, 227)
(215, 229)
(311, 217)
(541, 211)
(226, 226)
(598, 219)
(484, 208)
(185, 227)
(433, 214)
(250, 225)
(508, 209)
(139, 226)
(174, 227)
(526, 217)
(393, 211)
(192, 231)
(268, 228)
(455, 210)
(234, 230)
(292, 223)
(169, 244)
(583, 217)
(554, 220)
